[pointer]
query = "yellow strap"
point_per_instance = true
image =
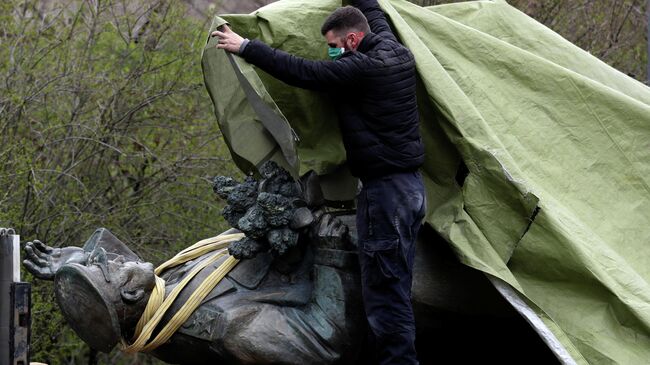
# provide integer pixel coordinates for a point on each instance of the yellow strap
(220, 238)
(155, 301)
(192, 303)
(158, 305)
(198, 249)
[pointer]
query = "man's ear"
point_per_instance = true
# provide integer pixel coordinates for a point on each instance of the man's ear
(347, 43)
(131, 296)
(353, 40)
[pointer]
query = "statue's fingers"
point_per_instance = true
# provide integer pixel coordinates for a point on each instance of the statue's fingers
(340, 230)
(335, 224)
(30, 244)
(31, 267)
(29, 251)
(39, 272)
(325, 221)
(317, 214)
(42, 247)
(36, 252)
(34, 258)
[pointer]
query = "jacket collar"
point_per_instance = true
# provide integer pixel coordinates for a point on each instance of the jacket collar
(368, 42)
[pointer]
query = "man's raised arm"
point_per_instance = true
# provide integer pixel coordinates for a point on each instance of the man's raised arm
(376, 17)
(293, 70)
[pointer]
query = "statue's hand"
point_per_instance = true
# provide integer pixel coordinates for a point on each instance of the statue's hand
(44, 261)
(329, 232)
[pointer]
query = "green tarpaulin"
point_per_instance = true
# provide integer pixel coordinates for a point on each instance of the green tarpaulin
(557, 145)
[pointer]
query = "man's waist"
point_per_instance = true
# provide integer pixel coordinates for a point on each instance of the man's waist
(376, 161)
(369, 179)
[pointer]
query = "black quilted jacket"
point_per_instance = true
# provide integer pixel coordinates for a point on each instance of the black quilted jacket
(374, 90)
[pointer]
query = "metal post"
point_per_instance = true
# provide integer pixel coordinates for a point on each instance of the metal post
(647, 13)
(14, 303)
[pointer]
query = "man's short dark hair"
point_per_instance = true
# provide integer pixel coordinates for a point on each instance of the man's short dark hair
(345, 19)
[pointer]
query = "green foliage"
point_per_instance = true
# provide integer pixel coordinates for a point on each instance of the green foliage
(612, 30)
(105, 123)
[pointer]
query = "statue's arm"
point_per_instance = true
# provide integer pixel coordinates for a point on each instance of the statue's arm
(44, 261)
(323, 331)
(327, 330)
(335, 312)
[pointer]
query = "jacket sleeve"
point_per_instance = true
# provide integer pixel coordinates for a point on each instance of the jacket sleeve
(301, 72)
(376, 17)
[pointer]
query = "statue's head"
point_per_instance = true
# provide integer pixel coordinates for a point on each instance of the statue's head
(103, 300)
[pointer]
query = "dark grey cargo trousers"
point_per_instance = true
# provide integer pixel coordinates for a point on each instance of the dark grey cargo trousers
(390, 210)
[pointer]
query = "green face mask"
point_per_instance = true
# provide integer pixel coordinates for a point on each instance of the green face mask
(335, 53)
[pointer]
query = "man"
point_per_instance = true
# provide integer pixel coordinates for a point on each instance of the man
(373, 80)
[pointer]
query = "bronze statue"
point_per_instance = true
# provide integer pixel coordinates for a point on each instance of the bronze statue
(293, 299)
(291, 303)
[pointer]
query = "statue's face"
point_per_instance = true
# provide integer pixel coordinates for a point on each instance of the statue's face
(121, 281)
(134, 280)
(104, 299)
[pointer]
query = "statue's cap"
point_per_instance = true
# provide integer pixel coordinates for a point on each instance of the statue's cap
(86, 307)
(103, 238)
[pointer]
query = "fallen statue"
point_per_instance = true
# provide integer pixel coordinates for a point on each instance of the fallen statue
(294, 298)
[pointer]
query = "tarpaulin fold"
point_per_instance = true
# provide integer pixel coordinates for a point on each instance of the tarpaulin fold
(556, 145)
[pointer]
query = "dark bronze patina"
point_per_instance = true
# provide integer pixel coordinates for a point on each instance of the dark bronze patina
(293, 299)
